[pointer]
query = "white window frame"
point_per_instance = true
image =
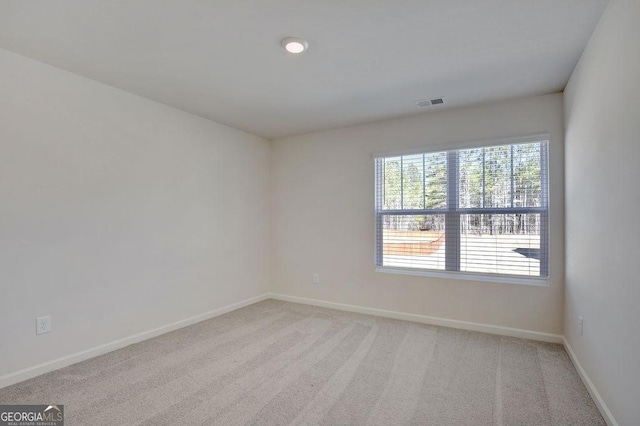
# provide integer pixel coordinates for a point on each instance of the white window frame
(452, 214)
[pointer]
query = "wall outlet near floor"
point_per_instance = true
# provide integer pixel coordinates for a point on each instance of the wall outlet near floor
(315, 278)
(43, 325)
(581, 325)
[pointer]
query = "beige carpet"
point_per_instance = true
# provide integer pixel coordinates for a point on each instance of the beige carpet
(279, 363)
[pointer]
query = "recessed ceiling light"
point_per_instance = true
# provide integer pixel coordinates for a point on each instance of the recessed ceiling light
(294, 45)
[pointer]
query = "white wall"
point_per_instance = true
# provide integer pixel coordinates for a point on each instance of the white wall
(118, 214)
(322, 217)
(602, 114)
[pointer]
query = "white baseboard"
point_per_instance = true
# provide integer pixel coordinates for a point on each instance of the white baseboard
(465, 325)
(46, 367)
(595, 395)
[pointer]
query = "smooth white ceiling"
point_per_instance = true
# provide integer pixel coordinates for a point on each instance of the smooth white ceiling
(367, 59)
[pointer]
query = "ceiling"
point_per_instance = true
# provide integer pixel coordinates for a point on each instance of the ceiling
(367, 59)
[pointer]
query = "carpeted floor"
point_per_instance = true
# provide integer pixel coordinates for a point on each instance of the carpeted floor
(279, 363)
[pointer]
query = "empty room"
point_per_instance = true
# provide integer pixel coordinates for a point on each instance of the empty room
(296, 212)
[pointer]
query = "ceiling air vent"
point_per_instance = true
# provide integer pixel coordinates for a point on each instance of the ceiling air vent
(429, 102)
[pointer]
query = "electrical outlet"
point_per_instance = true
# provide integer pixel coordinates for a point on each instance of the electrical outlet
(315, 278)
(581, 325)
(43, 325)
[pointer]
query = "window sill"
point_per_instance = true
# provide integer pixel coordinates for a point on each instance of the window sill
(494, 278)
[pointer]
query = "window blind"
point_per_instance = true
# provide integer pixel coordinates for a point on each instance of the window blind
(480, 210)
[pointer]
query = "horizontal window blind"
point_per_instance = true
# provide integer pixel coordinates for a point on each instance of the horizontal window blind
(480, 210)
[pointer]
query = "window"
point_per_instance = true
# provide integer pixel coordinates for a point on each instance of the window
(466, 211)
